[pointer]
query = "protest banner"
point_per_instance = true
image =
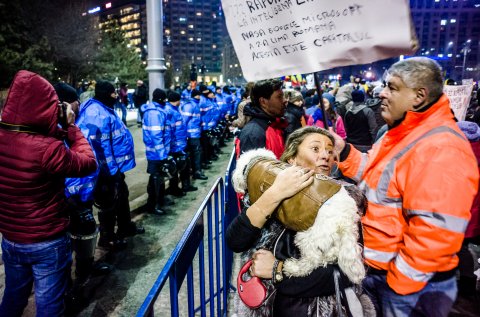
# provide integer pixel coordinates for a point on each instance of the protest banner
(277, 37)
(459, 97)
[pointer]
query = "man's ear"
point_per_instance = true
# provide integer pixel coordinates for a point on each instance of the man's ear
(421, 98)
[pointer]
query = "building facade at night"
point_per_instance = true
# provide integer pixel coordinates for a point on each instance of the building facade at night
(449, 31)
(193, 31)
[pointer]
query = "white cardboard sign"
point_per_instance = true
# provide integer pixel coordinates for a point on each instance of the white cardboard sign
(459, 97)
(273, 38)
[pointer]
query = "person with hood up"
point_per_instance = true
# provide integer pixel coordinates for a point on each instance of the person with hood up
(34, 162)
(113, 146)
(343, 100)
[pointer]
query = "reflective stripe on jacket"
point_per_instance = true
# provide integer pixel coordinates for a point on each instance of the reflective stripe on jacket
(179, 132)
(420, 180)
(110, 138)
(191, 117)
(156, 132)
(209, 112)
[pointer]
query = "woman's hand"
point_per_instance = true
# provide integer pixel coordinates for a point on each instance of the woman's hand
(262, 264)
(291, 181)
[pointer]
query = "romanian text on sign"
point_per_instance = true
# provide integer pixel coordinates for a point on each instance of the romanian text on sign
(277, 37)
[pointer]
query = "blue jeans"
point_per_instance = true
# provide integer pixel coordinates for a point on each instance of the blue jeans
(123, 108)
(435, 299)
(45, 264)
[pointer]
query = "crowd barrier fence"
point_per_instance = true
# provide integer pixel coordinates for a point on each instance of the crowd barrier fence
(204, 235)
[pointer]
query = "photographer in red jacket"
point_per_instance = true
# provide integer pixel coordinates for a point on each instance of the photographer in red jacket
(34, 163)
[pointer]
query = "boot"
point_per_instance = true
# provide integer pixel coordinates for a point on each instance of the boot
(199, 175)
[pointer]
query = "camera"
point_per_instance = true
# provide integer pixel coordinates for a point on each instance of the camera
(62, 116)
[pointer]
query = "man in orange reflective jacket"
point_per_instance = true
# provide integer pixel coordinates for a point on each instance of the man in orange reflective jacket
(420, 179)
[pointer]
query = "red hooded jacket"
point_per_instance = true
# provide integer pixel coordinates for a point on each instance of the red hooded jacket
(33, 166)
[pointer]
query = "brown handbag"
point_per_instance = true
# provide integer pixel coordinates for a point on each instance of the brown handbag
(299, 211)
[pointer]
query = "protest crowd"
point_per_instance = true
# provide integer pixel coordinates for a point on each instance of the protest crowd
(396, 160)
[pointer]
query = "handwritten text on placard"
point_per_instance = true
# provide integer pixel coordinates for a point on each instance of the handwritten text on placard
(277, 37)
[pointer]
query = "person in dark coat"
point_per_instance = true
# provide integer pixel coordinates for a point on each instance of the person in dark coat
(266, 127)
(140, 97)
(34, 162)
(360, 123)
(294, 113)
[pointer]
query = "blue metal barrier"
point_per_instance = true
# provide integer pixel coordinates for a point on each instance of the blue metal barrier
(220, 211)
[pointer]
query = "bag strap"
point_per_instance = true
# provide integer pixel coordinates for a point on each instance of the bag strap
(18, 128)
(336, 277)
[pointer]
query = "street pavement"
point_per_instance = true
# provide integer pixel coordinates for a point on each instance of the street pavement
(136, 268)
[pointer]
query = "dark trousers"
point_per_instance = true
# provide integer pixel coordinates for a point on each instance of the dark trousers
(183, 176)
(156, 191)
(195, 153)
(207, 148)
(111, 196)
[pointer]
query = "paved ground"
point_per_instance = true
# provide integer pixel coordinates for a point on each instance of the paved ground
(122, 292)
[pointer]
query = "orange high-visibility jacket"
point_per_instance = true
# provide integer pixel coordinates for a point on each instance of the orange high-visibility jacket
(420, 180)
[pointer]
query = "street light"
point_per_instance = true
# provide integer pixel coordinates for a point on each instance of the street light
(465, 50)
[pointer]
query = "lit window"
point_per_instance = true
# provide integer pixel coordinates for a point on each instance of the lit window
(443, 22)
(199, 14)
(453, 20)
(199, 39)
(167, 31)
(440, 55)
(182, 32)
(182, 19)
(190, 39)
(214, 46)
(190, 26)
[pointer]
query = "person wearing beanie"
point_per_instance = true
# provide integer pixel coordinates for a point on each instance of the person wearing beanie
(375, 103)
(115, 153)
(468, 281)
(191, 117)
(178, 149)
(158, 127)
(105, 93)
(333, 119)
(209, 115)
(360, 123)
(140, 97)
(34, 161)
(295, 112)
(82, 227)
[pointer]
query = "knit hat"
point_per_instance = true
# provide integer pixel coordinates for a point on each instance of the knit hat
(103, 93)
(65, 92)
(203, 88)
(470, 129)
(159, 95)
(358, 95)
(330, 98)
(173, 96)
(195, 93)
(296, 96)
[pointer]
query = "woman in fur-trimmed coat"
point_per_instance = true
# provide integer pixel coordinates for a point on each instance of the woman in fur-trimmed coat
(298, 276)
